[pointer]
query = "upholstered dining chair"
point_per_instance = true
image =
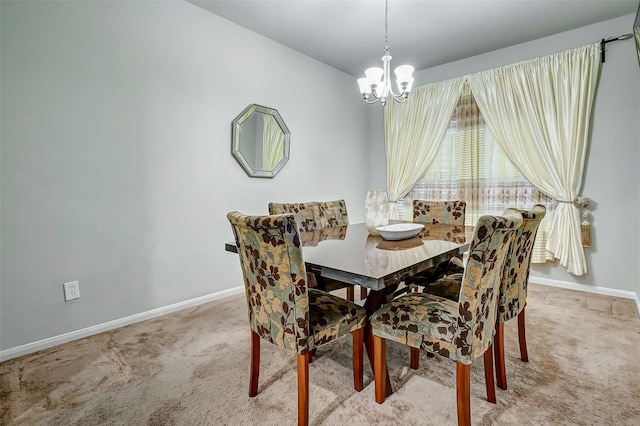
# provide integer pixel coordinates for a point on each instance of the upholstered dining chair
(513, 288)
(434, 212)
(461, 330)
(282, 309)
(513, 291)
(307, 214)
(446, 212)
(315, 216)
(334, 213)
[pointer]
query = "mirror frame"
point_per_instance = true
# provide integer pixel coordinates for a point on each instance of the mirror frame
(236, 140)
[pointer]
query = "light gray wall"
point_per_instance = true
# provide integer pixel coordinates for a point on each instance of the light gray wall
(115, 157)
(612, 164)
(116, 168)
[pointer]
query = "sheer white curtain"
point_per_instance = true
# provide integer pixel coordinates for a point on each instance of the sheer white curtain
(470, 166)
(413, 131)
(539, 112)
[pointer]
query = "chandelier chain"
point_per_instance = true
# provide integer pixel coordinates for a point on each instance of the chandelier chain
(386, 25)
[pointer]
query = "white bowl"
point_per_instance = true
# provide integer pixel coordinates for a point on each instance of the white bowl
(400, 231)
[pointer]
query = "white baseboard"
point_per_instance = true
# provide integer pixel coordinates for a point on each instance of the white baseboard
(588, 288)
(121, 322)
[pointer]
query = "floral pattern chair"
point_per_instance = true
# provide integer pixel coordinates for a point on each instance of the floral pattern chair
(461, 330)
(334, 213)
(513, 291)
(307, 214)
(449, 212)
(438, 212)
(282, 309)
(317, 219)
(513, 288)
(335, 217)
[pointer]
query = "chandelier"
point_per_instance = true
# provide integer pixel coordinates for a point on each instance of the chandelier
(377, 81)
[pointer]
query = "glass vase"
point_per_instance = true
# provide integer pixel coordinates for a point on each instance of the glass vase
(376, 211)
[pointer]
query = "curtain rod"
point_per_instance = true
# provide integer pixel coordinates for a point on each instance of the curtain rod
(609, 40)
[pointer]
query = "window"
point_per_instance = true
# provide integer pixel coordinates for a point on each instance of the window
(470, 166)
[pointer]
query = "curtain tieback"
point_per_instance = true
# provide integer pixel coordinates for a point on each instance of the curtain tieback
(580, 202)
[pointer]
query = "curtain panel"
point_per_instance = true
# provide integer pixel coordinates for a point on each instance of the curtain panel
(413, 131)
(470, 166)
(539, 112)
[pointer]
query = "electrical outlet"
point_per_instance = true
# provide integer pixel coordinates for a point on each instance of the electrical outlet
(71, 291)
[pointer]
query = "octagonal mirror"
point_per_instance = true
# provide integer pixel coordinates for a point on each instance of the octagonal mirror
(260, 141)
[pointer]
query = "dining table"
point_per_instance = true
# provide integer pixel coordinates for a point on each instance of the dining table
(353, 256)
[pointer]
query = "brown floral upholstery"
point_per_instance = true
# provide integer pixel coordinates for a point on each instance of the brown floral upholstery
(282, 309)
(461, 330)
(513, 287)
(317, 221)
(443, 232)
(447, 287)
(334, 213)
(307, 214)
(513, 291)
(314, 215)
(439, 213)
(449, 212)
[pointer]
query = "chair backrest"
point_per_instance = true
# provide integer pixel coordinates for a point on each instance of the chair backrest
(314, 215)
(447, 212)
(334, 213)
(513, 290)
(477, 304)
(307, 214)
(274, 279)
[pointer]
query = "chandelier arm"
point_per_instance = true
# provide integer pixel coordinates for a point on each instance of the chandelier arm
(373, 101)
(394, 94)
(400, 98)
(375, 97)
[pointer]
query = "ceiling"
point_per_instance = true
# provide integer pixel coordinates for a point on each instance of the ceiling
(349, 34)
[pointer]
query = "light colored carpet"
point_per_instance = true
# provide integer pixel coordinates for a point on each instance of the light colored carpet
(191, 368)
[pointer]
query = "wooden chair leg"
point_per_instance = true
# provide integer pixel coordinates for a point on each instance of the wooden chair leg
(303, 389)
(380, 368)
(415, 358)
(255, 363)
(358, 358)
(522, 337)
(350, 293)
(488, 375)
(363, 293)
(498, 347)
(463, 393)
(311, 280)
